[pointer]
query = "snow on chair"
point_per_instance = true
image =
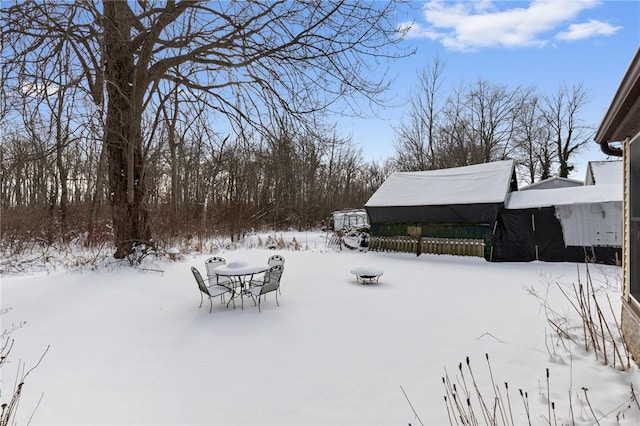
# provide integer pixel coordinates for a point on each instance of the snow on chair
(211, 291)
(271, 283)
(276, 259)
(211, 264)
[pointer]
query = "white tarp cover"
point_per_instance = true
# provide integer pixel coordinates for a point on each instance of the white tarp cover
(480, 183)
(591, 225)
(564, 196)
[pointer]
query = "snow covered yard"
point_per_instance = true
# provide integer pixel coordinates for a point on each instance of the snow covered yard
(131, 347)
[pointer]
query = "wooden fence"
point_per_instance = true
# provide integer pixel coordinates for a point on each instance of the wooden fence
(455, 246)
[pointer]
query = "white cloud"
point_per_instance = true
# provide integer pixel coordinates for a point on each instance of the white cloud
(39, 90)
(415, 30)
(471, 25)
(587, 29)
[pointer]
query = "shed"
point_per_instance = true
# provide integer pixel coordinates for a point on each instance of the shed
(552, 183)
(604, 173)
(457, 203)
(558, 225)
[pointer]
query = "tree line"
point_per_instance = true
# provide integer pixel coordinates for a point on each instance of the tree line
(484, 121)
(200, 183)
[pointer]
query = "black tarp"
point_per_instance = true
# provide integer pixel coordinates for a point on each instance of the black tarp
(524, 235)
(513, 238)
(549, 240)
(482, 213)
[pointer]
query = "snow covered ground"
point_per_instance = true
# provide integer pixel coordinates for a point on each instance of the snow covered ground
(131, 346)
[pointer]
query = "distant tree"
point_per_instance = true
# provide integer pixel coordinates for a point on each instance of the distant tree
(415, 139)
(546, 155)
(374, 175)
(248, 57)
(533, 146)
(453, 148)
(50, 117)
(477, 124)
(567, 130)
(491, 111)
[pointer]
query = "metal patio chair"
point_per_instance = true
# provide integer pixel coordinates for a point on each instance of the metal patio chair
(276, 259)
(210, 291)
(211, 264)
(271, 283)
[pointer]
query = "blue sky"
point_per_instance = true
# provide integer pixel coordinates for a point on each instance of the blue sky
(541, 43)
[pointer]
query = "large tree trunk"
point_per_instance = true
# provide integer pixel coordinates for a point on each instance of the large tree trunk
(123, 138)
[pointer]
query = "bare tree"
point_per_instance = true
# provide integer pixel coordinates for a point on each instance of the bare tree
(567, 130)
(180, 116)
(491, 110)
(415, 139)
(478, 123)
(250, 57)
(55, 94)
(533, 146)
(453, 148)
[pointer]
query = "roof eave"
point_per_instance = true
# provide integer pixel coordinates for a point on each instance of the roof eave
(622, 119)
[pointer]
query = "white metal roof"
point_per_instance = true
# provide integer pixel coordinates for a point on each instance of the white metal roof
(564, 196)
(479, 183)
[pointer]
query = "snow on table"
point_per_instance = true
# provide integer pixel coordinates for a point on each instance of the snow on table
(173, 252)
(367, 274)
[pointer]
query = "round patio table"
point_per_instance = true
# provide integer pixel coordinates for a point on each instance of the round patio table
(367, 274)
(240, 273)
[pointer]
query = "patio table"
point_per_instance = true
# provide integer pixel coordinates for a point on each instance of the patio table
(240, 274)
(367, 275)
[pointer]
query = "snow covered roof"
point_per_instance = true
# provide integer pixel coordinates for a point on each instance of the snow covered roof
(552, 183)
(604, 172)
(564, 196)
(479, 183)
